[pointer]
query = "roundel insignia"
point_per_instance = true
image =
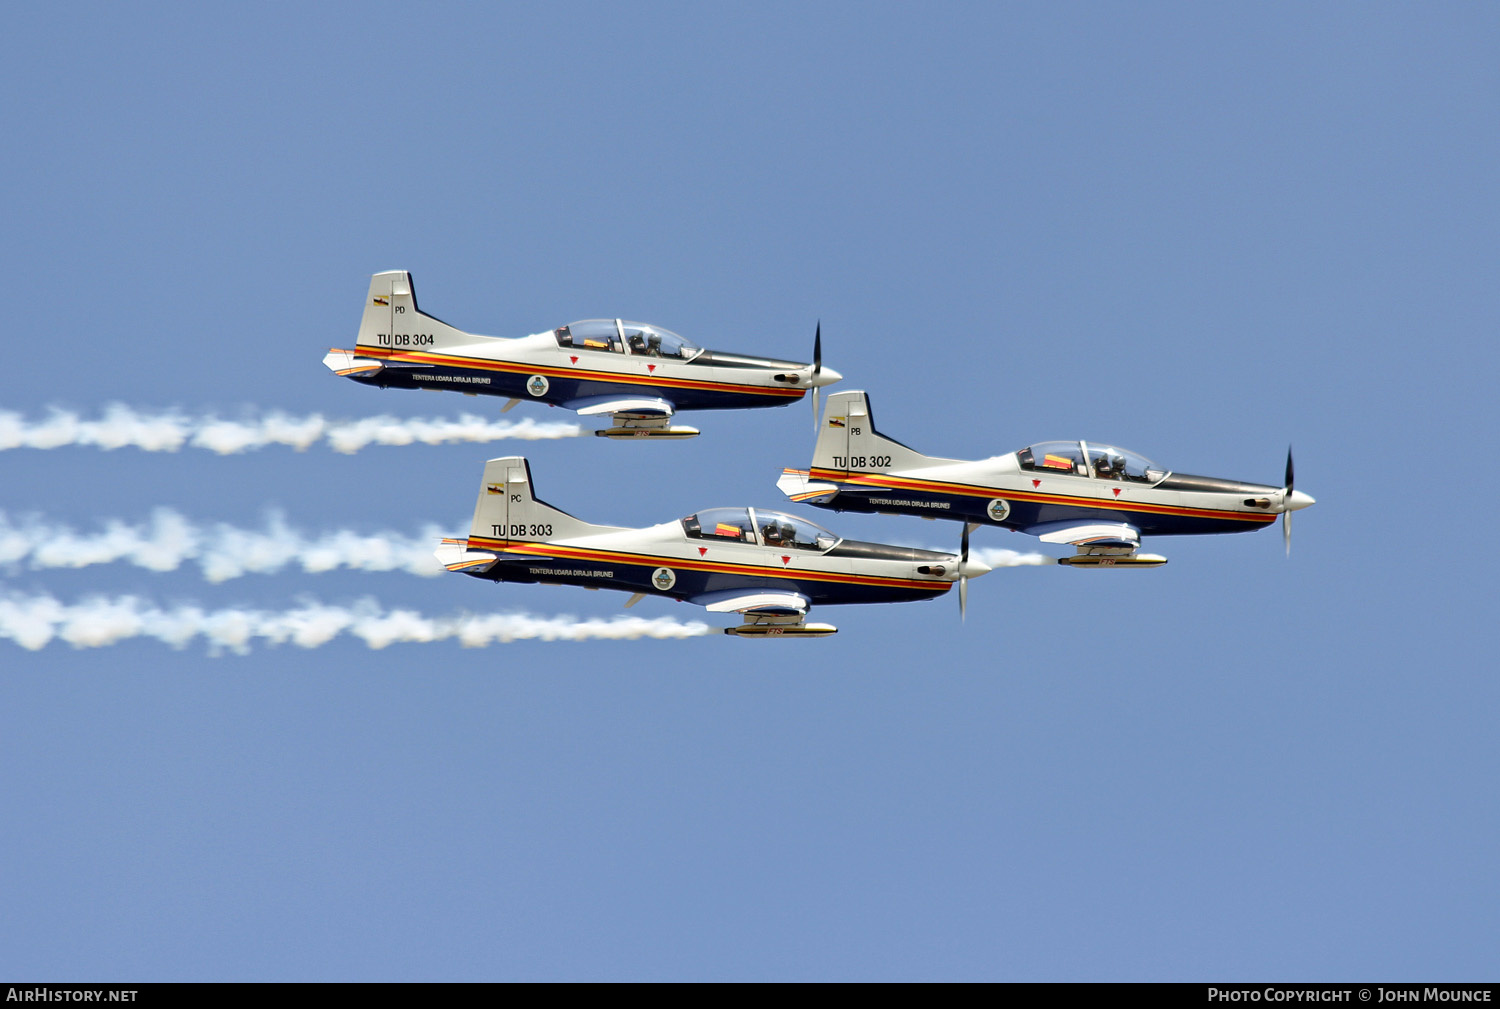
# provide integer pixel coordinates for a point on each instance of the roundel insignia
(998, 510)
(537, 385)
(664, 578)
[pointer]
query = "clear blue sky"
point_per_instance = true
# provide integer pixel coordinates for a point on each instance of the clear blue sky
(1201, 232)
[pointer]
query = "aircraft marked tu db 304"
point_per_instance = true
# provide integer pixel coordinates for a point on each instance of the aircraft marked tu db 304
(1098, 498)
(639, 375)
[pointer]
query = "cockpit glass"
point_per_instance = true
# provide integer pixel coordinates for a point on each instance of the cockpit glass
(773, 529)
(778, 529)
(621, 337)
(1107, 462)
(1102, 462)
(591, 334)
(721, 524)
(653, 341)
(1053, 457)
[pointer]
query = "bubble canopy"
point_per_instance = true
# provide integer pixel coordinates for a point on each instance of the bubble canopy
(758, 525)
(620, 337)
(1090, 459)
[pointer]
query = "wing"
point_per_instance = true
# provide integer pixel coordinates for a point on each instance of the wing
(795, 484)
(633, 416)
(647, 406)
(755, 604)
(1087, 534)
(767, 614)
(1100, 544)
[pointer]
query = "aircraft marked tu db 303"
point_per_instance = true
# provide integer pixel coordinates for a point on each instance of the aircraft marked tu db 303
(768, 566)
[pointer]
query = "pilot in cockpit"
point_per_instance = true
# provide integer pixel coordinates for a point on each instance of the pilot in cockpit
(1109, 467)
(653, 345)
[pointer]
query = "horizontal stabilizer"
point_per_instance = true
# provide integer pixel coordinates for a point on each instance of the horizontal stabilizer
(344, 362)
(795, 484)
(455, 555)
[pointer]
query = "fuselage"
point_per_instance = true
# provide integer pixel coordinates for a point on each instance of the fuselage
(540, 368)
(1002, 491)
(670, 560)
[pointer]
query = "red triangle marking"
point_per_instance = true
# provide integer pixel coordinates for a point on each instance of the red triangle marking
(785, 560)
(650, 367)
(702, 551)
(1117, 492)
(573, 358)
(1036, 483)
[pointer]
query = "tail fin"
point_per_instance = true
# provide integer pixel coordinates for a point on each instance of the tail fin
(392, 320)
(508, 509)
(848, 441)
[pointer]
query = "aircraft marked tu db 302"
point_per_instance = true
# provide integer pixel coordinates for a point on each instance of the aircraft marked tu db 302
(1098, 498)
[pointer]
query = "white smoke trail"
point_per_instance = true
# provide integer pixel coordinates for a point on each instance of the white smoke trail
(120, 426)
(997, 557)
(34, 621)
(168, 541)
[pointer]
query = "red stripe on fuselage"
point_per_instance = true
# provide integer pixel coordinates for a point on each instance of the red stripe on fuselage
(974, 490)
(536, 549)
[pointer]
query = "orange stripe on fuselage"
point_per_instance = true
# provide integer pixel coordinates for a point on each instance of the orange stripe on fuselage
(584, 374)
(974, 490)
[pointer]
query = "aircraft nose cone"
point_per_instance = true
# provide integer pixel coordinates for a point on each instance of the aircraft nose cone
(825, 377)
(1299, 500)
(974, 567)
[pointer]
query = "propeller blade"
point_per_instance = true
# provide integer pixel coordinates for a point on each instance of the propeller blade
(817, 369)
(1286, 493)
(963, 578)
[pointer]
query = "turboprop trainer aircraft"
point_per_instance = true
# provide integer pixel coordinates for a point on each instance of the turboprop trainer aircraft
(1099, 498)
(638, 375)
(765, 565)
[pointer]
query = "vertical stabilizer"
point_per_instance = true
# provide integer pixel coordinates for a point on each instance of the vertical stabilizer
(507, 508)
(392, 321)
(849, 443)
